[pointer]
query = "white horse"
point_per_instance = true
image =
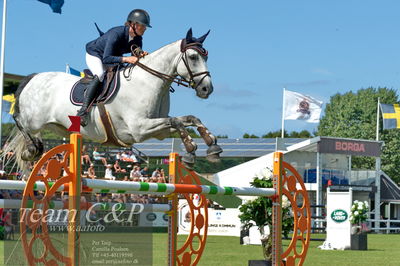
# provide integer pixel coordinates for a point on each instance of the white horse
(138, 111)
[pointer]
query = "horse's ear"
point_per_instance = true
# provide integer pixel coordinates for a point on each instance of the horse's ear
(202, 38)
(189, 36)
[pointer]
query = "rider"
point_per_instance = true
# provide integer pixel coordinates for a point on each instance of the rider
(109, 49)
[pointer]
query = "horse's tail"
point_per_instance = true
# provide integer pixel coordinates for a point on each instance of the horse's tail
(11, 154)
(12, 151)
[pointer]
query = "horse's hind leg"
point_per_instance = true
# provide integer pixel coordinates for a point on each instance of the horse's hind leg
(214, 149)
(34, 146)
(190, 146)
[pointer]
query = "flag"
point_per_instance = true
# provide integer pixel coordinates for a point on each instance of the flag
(75, 123)
(391, 115)
(11, 99)
(297, 106)
(55, 5)
(73, 71)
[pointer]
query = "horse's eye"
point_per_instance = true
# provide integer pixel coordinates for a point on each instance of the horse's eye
(193, 57)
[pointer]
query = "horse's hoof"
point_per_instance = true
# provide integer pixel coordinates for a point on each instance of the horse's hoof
(213, 153)
(189, 158)
(213, 158)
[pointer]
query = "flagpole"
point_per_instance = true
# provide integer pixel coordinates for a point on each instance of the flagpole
(3, 41)
(283, 115)
(377, 120)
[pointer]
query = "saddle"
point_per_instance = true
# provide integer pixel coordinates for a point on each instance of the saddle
(109, 86)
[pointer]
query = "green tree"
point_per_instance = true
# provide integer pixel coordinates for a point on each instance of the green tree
(353, 115)
(248, 136)
(293, 134)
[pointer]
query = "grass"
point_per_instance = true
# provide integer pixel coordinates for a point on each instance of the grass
(382, 250)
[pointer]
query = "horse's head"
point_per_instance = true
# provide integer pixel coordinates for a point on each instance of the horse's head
(193, 65)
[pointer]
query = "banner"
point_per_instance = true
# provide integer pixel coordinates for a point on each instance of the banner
(153, 219)
(338, 227)
(301, 107)
(220, 222)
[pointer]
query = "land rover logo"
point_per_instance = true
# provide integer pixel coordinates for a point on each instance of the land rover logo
(151, 217)
(339, 216)
(165, 217)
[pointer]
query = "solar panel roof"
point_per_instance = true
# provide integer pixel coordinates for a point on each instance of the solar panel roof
(232, 147)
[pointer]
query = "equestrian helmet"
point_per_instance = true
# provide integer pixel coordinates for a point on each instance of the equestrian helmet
(139, 16)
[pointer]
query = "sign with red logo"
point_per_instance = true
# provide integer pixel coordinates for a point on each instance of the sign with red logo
(350, 147)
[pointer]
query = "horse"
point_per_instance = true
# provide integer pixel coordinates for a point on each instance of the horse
(138, 111)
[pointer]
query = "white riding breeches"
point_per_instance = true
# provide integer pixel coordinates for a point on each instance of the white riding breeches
(95, 65)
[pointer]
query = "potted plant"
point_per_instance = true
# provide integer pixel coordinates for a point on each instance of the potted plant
(258, 212)
(358, 215)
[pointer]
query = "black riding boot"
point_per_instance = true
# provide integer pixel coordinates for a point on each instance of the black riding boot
(90, 93)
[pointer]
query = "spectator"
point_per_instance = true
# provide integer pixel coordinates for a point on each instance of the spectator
(109, 174)
(85, 156)
(125, 156)
(156, 173)
(9, 153)
(128, 156)
(118, 168)
(135, 173)
(161, 178)
(145, 172)
(118, 156)
(9, 226)
(97, 156)
(132, 157)
(91, 172)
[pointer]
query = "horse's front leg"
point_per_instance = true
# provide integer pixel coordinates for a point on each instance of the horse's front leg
(214, 149)
(158, 126)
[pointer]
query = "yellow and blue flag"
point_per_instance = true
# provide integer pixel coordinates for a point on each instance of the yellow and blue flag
(391, 115)
(75, 72)
(11, 99)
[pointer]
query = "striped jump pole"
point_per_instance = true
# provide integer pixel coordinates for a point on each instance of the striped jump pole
(130, 187)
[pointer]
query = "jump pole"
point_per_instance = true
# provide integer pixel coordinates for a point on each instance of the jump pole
(74, 197)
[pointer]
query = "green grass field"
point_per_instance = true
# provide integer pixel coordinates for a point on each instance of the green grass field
(221, 251)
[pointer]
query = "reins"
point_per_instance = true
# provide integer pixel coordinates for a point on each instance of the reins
(178, 80)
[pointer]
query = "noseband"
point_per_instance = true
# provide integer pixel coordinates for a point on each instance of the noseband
(180, 81)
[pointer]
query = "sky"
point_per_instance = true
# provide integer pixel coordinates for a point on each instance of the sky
(256, 48)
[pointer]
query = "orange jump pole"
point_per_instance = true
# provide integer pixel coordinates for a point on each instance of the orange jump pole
(74, 198)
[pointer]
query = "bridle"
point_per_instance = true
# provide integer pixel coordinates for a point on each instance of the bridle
(199, 48)
(178, 80)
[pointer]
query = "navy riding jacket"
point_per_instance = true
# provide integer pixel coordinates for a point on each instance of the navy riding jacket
(112, 45)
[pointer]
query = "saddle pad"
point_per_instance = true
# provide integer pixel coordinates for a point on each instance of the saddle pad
(104, 95)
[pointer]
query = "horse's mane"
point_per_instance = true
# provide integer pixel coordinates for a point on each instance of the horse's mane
(150, 57)
(154, 54)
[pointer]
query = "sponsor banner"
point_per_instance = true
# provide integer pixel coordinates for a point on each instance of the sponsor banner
(338, 227)
(220, 222)
(153, 219)
(350, 147)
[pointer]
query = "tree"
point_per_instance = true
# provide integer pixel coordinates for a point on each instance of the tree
(248, 136)
(293, 134)
(353, 115)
